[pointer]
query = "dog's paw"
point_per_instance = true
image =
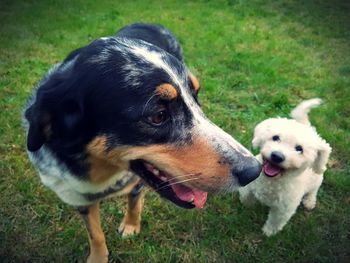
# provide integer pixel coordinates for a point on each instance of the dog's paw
(309, 204)
(269, 231)
(127, 230)
(94, 258)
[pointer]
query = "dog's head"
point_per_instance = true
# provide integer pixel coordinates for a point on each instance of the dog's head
(288, 147)
(125, 104)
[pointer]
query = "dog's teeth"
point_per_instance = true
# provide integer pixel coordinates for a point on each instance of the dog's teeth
(156, 172)
(163, 178)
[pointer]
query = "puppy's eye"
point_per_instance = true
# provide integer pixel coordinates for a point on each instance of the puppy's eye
(276, 138)
(299, 148)
(158, 118)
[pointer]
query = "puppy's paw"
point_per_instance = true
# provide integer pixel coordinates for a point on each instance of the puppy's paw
(309, 205)
(128, 230)
(269, 231)
(309, 202)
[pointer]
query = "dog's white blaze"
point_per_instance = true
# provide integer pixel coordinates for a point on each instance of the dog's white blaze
(156, 59)
(141, 50)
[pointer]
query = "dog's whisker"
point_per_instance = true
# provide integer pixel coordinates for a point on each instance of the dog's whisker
(181, 176)
(178, 177)
(171, 180)
(169, 185)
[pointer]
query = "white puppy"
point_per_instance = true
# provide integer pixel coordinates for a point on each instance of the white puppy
(294, 158)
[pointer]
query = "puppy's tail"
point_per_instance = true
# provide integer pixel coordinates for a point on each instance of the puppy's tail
(300, 113)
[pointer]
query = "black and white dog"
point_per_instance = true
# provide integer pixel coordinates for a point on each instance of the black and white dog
(122, 109)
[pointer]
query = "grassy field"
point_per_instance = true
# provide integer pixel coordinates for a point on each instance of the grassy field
(255, 59)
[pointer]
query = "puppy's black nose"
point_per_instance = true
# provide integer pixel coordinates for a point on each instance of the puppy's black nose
(249, 173)
(277, 157)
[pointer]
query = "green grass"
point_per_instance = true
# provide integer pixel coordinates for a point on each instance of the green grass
(255, 59)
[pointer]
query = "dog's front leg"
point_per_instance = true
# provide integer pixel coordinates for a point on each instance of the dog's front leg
(98, 247)
(309, 199)
(277, 219)
(246, 196)
(131, 223)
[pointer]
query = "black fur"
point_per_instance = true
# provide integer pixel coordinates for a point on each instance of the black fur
(89, 94)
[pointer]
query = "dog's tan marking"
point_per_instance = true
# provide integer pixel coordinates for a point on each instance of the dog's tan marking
(98, 247)
(97, 148)
(166, 91)
(101, 168)
(195, 83)
(131, 223)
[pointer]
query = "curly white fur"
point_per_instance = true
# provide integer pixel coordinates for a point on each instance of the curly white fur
(301, 172)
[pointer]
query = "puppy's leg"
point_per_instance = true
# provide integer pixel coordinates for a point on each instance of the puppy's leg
(131, 223)
(277, 219)
(309, 199)
(246, 196)
(98, 247)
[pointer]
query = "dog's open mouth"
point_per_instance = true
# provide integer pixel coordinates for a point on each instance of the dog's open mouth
(270, 169)
(168, 187)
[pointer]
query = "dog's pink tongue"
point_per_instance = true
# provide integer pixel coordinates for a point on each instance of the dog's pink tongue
(200, 197)
(187, 194)
(271, 170)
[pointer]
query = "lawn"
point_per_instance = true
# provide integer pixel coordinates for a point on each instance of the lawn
(255, 59)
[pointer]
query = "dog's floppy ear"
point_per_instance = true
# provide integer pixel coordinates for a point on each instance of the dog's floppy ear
(323, 152)
(63, 120)
(56, 113)
(259, 133)
(38, 127)
(256, 141)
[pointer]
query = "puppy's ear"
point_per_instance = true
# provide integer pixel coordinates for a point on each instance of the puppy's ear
(256, 142)
(39, 127)
(323, 152)
(259, 132)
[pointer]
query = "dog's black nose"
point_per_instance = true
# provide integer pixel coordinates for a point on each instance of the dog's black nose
(249, 173)
(277, 157)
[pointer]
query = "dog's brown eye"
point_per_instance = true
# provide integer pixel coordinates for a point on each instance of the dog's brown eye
(299, 148)
(276, 138)
(158, 118)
